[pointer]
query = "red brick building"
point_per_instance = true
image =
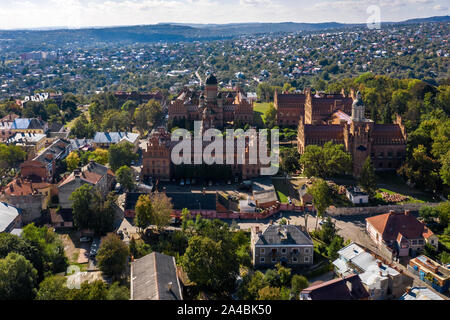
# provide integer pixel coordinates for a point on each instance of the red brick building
(384, 143)
(225, 106)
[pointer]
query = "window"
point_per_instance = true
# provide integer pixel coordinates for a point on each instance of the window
(420, 241)
(275, 250)
(283, 251)
(307, 251)
(262, 251)
(274, 259)
(414, 242)
(294, 259)
(294, 251)
(306, 259)
(262, 260)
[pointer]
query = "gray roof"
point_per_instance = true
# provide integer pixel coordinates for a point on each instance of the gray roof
(284, 235)
(80, 143)
(420, 293)
(8, 214)
(150, 278)
(264, 191)
(115, 137)
(22, 137)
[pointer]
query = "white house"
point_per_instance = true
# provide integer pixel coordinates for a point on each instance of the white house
(356, 195)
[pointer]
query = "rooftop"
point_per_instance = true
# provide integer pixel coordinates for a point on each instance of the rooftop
(8, 214)
(154, 277)
(283, 235)
(347, 288)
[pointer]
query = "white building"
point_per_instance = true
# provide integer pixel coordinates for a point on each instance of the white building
(357, 196)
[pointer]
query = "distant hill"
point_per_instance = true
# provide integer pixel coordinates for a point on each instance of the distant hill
(168, 32)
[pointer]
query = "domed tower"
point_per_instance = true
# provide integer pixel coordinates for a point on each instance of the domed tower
(358, 109)
(211, 88)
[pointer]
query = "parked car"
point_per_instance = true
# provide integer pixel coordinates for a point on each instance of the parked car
(85, 239)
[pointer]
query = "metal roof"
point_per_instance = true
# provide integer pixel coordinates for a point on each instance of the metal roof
(8, 214)
(154, 277)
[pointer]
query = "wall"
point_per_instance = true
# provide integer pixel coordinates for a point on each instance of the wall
(377, 210)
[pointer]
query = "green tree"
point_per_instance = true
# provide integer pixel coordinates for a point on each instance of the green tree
(321, 193)
(50, 247)
(327, 161)
(11, 156)
(368, 179)
(212, 264)
(99, 155)
(17, 278)
(118, 292)
(124, 176)
(53, 288)
(269, 293)
(336, 244)
(121, 154)
(290, 160)
(153, 209)
(73, 161)
(96, 290)
(112, 256)
(298, 284)
(270, 116)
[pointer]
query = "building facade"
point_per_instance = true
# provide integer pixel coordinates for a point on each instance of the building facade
(361, 137)
(224, 106)
(401, 232)
(289, 245)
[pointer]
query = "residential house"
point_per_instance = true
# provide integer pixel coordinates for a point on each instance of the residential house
(433, 273)
(61, 218)
(93, 174)
(380, 280)
(6, 125)
(29, 125)
(400, 232)
(53, 155)
(420, 293)
(154, 277)
(105, 139)
(356, 195)
(30, 142)
(286, 244)
(30, 195)
(346, 288)
(10, 218)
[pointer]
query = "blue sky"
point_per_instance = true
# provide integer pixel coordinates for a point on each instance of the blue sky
(82, 13)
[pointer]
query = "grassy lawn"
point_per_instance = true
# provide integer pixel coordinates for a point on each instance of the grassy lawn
(259, 111)
(282, 190)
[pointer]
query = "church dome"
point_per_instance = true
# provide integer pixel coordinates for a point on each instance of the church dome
(211, 80)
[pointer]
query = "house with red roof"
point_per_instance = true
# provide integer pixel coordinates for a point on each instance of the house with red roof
(345, 288)
(400, 232)
(93, 174)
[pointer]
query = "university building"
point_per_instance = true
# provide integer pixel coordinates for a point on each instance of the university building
(224, 106)
(323, 122)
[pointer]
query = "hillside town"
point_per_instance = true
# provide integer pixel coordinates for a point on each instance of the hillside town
(301, 166)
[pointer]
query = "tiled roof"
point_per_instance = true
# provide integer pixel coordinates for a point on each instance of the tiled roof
(20, 187)
(348, 288)
(151, 276)
(389, 225)
(284, 235)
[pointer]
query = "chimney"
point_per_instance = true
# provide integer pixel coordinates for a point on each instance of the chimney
(349, 285)
(407, 212)
(169, 286)
(391, 212)
(379, 264)
(408, 290)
